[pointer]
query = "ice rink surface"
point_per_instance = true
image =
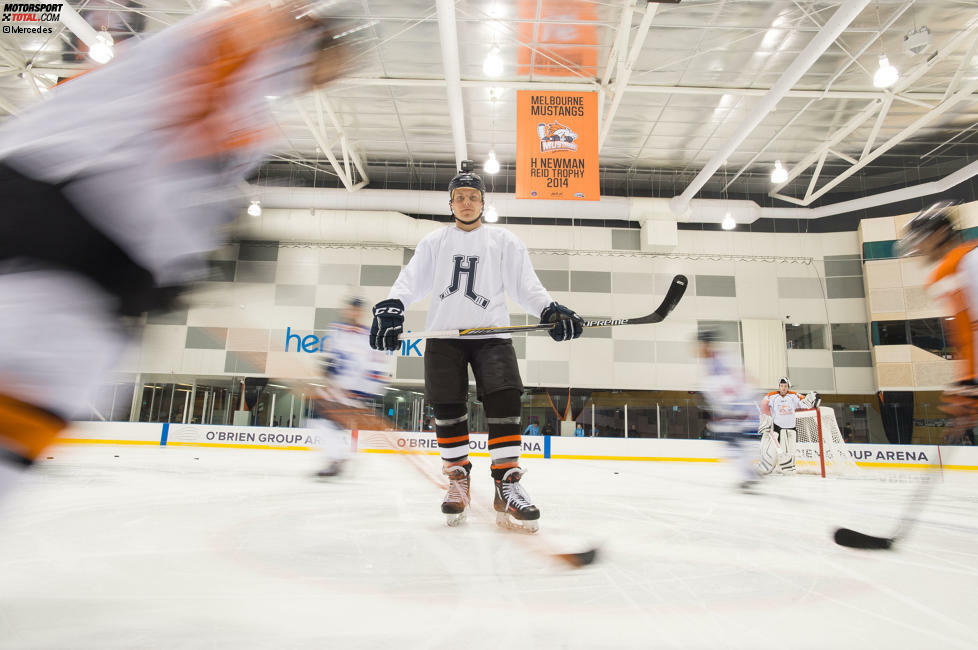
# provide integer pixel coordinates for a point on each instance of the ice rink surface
(131, 547)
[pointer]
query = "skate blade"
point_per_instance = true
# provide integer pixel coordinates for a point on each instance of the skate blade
(748, 487)
(507, 521)
(455, 519)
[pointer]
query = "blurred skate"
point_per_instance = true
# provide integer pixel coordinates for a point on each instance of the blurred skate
(331, 470)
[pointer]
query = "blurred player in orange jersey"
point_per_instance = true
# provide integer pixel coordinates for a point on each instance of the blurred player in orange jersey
(113, 191)
(954, 279)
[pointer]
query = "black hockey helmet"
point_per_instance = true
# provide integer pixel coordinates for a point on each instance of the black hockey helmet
(467, 178)
(708, 336)
(784, 380)
(935, 220)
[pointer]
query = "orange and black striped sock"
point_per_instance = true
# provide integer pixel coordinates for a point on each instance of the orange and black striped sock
(25, 430)
(452, 430)
(503, 418)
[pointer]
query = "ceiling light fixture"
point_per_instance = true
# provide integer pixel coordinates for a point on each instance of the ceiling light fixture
(493, 65)
(254, 209)
(492, 165)
(887, 75)
(779, 174)
(728, 222)
(102, 50)
(917, 40)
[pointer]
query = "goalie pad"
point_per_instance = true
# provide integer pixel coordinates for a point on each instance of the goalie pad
(786, 458)
(811, 401)
(770, 451)
(765, 425)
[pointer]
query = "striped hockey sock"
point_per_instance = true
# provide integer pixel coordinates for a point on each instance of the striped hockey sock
(452, 430)
(503, 418)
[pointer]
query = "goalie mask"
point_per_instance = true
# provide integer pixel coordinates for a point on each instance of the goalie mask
(784, 383)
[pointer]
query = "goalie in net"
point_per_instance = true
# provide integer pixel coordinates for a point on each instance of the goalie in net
(798, 435)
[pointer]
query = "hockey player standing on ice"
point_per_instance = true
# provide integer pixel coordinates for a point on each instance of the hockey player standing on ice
(954, 280)
(354, 375)
(115, 187)
(729, 398)
(470, 268)
(779, 435)
(778, 425)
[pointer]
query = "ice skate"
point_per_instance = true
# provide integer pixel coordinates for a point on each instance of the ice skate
(331, 470)
(457, 498)
(749, 486)
(512, 504)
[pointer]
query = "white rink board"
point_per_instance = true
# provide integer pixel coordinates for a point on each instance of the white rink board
(136, 433)
(546, 447)
(426, 443)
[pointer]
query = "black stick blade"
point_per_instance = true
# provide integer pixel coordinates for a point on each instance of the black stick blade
(673, 296)
(577, 560)
(855, 539)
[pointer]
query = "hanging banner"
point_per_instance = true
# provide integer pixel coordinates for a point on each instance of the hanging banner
(557, 146)
(565, 42)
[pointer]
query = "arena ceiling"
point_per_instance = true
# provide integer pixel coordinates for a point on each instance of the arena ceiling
(678, 83)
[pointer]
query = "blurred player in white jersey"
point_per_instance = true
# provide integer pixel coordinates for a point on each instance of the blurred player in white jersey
(469, 269)
(779, 436)
(354, 375)
(114, 189)
(730, 399)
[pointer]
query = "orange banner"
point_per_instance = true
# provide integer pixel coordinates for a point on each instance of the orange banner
(564, 38)
(557, 146)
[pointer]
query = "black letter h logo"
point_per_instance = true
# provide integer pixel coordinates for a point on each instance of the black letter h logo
(469, 270)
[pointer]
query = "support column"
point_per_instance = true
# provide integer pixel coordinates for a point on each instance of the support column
(137, 398)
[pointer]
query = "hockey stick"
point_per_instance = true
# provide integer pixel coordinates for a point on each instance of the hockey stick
(673, 296)
(855, 539)
(574, 560)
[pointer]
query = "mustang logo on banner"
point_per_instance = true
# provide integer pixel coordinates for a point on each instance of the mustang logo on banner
(557, 146)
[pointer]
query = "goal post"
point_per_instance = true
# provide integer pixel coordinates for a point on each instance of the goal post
(820, 448)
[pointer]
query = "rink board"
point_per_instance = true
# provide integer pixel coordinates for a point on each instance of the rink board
(555, 447)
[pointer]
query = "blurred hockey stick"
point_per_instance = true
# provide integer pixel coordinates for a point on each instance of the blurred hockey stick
(960, 402)
(855, 539)
(333, 403)
(675, 293)
(537, 543)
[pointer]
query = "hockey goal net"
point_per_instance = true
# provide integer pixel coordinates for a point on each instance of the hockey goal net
(820, 448)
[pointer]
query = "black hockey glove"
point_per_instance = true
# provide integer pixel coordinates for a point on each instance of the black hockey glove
(569, 324)
(387, 325)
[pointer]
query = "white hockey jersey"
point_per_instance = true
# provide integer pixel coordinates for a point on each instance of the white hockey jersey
(469, 275)
(782, 408)
(350, 364)
(729, 396)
